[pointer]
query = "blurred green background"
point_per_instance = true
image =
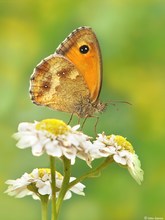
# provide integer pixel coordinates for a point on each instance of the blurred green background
(132, 40)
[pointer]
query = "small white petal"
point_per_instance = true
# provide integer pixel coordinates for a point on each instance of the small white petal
(75, 128)
(23, 193)
(78, 188)
(135, 169)
(119, 159)
(35, 197)
(53, 149)
(35, 173)
(25, 126)
(68, 195)
(37, 149)
(27, 141)
(44, 189)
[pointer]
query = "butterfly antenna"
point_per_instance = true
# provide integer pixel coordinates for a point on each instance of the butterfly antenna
(71, 117)
(83, 123)
(118, 101)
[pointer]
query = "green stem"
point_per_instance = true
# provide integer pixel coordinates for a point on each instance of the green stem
(92, 173)
(44, 206)
(65, 183)
(53, 186)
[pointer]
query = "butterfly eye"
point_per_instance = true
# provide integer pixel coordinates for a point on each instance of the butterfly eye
(84, 49)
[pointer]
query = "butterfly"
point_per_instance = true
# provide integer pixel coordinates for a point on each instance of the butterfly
(70, 79)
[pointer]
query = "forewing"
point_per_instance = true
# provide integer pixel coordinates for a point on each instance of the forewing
(89, 64)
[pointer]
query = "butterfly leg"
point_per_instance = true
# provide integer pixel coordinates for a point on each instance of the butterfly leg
(95, 126)
(71, 117)
(83, 122)
(78, 121)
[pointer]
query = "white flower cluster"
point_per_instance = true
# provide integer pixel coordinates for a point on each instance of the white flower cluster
(69, 143)
(122, 152)
(38, 183)
(57, 139)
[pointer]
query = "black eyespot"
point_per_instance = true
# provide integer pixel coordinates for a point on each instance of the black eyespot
(84, 49)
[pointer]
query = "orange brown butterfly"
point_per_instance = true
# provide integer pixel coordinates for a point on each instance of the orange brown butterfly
(70, 79)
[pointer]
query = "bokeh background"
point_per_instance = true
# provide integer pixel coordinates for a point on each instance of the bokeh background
(132, 39)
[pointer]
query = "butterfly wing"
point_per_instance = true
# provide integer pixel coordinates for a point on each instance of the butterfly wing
(56, 83)
(81, 47)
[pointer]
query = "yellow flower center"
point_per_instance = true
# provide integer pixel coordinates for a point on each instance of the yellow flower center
(126, 145)
(121, 141)
(54, 126)
(43, 171)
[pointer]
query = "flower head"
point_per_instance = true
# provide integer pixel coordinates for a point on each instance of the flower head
(53, 137)
(38, 184)
(122, 153)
